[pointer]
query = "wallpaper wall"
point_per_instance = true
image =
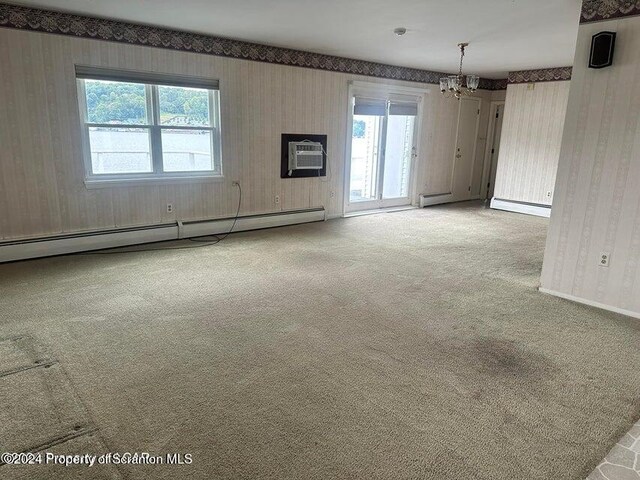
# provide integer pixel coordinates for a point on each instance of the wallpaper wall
(80, 26)
(597, 200)
(530, 144)
(540, 75)
(598, 10)
(41, 170)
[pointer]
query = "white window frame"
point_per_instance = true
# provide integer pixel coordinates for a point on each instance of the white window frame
(158, 175)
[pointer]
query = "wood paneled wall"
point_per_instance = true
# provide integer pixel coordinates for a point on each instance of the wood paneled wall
(597, 202)
(530, 144)
(42, 191)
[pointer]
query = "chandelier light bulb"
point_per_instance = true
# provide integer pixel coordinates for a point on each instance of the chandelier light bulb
(472, 82)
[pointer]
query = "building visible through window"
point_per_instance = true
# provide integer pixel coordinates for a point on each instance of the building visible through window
(139, 129)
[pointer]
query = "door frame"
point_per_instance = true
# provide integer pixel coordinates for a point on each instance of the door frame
(486, 167)
(455, 148)
(386, 91)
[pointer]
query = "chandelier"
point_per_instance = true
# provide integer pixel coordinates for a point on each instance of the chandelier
(452, 86)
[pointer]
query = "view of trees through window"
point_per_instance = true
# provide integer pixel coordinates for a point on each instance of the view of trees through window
(119, 102)
(109, 102)
(183, 106)
(359, 128)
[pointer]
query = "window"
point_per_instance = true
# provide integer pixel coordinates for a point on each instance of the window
(148, 127)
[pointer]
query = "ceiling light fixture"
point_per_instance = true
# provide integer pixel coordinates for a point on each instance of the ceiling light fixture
(400, 31)
(453, 85)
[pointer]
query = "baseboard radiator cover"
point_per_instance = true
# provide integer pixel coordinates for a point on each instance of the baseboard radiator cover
(536, 209)
(591, 303)
(438, 199)
(13, 250)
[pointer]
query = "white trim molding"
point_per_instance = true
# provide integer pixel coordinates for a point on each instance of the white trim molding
(100, 239)
(590, 303)
(151, 180)
(521, 207)
(251, 222)
(438, 199)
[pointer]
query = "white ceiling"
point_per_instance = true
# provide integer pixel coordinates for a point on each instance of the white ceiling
(504, 35)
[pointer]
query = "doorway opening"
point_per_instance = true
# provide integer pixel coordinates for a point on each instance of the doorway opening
(382, 147)
(493, 150)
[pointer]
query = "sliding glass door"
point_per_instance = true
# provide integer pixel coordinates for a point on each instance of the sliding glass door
(382, 149)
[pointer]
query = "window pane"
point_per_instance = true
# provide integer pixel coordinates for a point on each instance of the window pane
(397, 160)
(120, 150)
(365, 155)
(184, 106)
(116, 102)
(186, 150)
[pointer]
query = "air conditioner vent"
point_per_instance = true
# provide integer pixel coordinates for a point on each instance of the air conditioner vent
(305, 156)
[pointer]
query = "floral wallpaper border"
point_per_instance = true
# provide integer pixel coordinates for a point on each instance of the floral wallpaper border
(542, 75)
(33, 19)
(599, 10)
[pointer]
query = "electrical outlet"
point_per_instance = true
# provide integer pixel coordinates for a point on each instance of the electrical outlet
(277, 199)
(605, 258)
(549, 193)
(332, 194)
(169, 207)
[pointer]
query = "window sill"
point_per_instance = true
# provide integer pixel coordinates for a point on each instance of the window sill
(92, 183)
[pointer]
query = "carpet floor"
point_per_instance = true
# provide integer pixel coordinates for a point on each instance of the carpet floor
(408, 345)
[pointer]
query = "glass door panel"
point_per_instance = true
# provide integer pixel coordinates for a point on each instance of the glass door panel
(398, 154)
(365, 157)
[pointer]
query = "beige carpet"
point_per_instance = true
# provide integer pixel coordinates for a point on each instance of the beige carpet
(404, 345)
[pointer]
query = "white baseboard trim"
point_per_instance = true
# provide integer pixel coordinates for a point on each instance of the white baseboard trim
(438, 199)
(377, 211)
(96, 240)
(251, 222)
(591, 303)
(521, 207)
(64, 244)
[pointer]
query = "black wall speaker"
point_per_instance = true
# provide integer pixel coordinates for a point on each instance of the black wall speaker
(602, 45)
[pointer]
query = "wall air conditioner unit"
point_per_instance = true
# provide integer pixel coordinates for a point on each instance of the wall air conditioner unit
(305, 156)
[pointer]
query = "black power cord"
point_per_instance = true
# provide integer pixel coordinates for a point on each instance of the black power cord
(204, 243)
(219, 238)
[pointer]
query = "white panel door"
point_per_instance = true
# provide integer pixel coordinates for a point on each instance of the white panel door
(465, 152)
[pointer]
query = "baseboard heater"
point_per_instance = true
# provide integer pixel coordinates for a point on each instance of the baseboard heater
(438, 199)
(536, 209)
(96, 240)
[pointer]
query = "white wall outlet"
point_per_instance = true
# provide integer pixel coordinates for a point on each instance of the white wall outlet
(277, 199)
(549, 194)
(169, 207)
(605, 258)
(332, 194)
